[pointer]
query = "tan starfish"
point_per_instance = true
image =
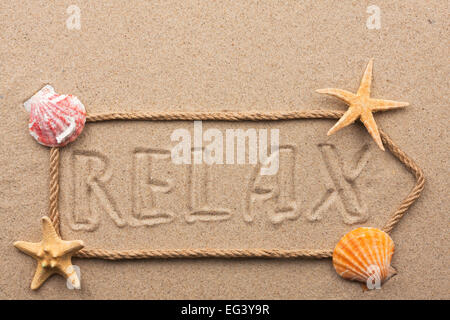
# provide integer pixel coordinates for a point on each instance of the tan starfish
(361, 105)
(53, 255)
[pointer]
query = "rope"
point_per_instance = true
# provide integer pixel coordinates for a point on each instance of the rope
(202, 253)
(216, 116)
(227, 253)
(415, 192)
(54, 187)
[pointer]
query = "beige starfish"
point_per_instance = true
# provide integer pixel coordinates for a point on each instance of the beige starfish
(53, 255)
(361, 105)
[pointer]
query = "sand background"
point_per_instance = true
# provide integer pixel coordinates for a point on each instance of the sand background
(226, 55)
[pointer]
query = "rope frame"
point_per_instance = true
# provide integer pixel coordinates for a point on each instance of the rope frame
(107, 254)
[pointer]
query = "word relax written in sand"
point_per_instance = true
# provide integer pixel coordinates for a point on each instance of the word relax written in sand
(92, 198)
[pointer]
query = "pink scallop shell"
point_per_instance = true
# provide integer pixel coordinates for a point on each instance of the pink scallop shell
(55, 120)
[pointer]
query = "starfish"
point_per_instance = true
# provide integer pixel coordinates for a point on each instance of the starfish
(361, 106)
(52, 254)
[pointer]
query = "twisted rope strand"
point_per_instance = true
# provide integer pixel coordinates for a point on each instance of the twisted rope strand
(227, 253)
(416, 190)
(216, 116)
(202, 253)
(54, 188)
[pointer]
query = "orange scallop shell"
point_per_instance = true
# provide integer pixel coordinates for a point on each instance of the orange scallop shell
(364, 255)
